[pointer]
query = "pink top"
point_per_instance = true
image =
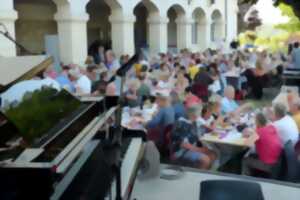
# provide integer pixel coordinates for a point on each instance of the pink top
(192, 100)
(268, 146)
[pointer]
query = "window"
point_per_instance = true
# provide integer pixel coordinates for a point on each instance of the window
(213, 32)
(195, 33)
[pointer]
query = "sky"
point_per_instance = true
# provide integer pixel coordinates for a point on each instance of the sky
(268, 13)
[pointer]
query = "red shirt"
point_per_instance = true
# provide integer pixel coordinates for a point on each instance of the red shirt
(268, 146)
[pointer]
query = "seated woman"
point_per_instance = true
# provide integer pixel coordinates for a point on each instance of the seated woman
(190, 98)
(184, 139)
(268, 146)
(181, 83)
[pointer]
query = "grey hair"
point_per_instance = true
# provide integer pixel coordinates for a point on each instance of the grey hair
(280, 110)
(261, 119)
(193, 110)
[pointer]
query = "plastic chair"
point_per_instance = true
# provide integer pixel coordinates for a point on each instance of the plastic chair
(292, 172)
(230, 190)
(274, 173)
(297, 149)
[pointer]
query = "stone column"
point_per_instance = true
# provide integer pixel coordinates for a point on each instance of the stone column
(184, 33)
(158, 34)
(122, 30)
(204, 35)
(8, 16)
(232, 21)
(72, 31)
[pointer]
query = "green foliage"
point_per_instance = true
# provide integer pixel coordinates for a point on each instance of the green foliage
(40, 111)
(273, 43)
(293, 25)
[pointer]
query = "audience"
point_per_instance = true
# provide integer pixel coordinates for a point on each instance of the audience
(185, 140)
(268, 147)
(294, 106)
(190, 98)
(164, 117)
(83, 85)
(178, 105)
(185, 82)
(64, 80)
(285, 124)
(296, 56)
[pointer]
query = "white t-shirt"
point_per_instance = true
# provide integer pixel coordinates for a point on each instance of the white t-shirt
(84, 84)
(287, 129)
(206, 122)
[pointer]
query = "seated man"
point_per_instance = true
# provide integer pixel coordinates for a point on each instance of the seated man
(268, 146)
(83, 85)
(164, 117)
(184, 139)
(229, 105)
(285, 125)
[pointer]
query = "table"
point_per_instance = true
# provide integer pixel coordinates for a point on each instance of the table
(131, 117)
(233, 139)
(229, 142)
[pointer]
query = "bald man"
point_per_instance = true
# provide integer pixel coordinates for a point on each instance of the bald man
(229, 105)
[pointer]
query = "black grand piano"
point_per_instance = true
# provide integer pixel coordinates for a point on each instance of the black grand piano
(52, 143)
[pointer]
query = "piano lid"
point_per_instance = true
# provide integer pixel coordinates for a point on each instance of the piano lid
(38, 109)
(15, 69)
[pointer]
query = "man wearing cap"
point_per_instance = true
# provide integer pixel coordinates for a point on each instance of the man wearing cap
(165, 116)
(185, 138)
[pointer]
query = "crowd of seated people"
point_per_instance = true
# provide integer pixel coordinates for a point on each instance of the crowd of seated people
(193, 96)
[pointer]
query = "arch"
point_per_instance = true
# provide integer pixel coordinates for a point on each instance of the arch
(35, 21)
(217, 25)
(199, 28)
(175, 13)
(216, 15)
(98, 25)
(199, 14)
(144, 11)
(179, 10)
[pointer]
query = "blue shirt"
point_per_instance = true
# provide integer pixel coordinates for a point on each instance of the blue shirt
(228, 106)
(179, 110)
(163, 118)
(296, 58)
(65, 82)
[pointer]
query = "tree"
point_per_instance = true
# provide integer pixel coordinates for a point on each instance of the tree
(295, 4)
(293, 25)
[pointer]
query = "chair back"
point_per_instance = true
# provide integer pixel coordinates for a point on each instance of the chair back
(292, 173)
(230, 190)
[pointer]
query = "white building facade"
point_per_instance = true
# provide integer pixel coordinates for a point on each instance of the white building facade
(123, 25)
